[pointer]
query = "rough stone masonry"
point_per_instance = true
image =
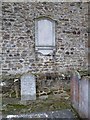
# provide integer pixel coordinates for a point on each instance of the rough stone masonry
(18, 36)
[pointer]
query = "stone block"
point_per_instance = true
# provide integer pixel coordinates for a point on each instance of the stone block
(28, 87)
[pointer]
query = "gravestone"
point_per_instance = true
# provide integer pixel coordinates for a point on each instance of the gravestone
(28, 87)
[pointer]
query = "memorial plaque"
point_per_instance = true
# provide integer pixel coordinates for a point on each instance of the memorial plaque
(45, 36)
(28, 87)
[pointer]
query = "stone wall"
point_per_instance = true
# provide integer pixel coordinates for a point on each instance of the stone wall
(18, 36)
(0, 35)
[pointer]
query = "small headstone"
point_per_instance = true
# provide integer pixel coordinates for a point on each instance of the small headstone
(28, 87)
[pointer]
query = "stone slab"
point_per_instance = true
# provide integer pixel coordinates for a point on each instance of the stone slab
(28, 87)
(45, 0)
(65, 114)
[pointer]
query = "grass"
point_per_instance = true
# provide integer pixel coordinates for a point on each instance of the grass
(50, 104)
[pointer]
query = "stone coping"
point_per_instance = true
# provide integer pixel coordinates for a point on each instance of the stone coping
(45, 0)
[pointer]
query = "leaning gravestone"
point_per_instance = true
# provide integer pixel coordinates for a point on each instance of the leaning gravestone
(28, 87)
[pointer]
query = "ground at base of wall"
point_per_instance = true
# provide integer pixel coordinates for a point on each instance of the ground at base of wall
(52, 103)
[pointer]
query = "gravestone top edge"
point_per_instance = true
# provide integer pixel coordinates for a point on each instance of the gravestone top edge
(27, 74)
